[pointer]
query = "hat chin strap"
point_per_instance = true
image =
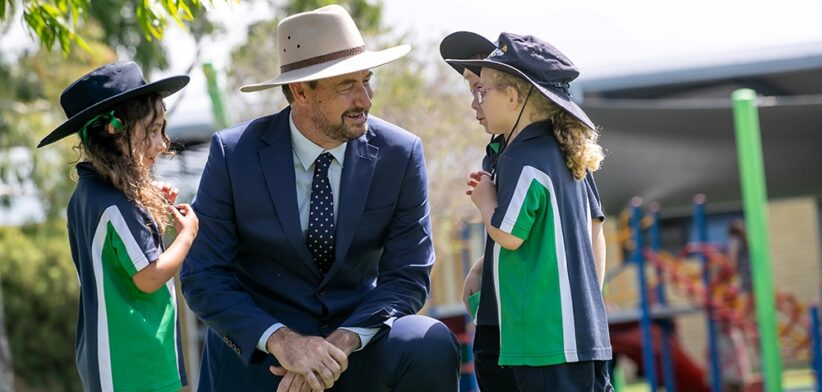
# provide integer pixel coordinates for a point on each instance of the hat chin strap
(507, 137)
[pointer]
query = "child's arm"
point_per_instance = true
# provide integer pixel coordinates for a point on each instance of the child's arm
(473, 281)
(598, 242)
(484, 197)
(157, 273)
(505, 240)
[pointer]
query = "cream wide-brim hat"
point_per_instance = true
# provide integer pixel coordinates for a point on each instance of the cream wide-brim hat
(321, 44)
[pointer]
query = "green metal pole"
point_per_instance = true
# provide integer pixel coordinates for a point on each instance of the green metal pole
(217, 105)
(755, 198)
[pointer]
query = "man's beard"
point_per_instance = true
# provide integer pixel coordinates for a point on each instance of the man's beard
(339, 131)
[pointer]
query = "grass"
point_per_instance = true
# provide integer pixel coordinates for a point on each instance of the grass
(792, 379)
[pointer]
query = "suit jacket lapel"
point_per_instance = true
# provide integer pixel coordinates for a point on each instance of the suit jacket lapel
(355, 182)
(277, 162)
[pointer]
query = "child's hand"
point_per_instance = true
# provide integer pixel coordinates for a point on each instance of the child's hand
(185, 220)
(484, 194)
(473, 180)
(168, 191)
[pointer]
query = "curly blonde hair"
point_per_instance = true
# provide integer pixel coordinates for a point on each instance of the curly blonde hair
(118, 157)
(576, 140)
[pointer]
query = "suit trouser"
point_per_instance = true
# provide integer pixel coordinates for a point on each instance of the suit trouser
(417, 353)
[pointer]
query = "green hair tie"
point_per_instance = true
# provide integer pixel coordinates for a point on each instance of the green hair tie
(114, 121)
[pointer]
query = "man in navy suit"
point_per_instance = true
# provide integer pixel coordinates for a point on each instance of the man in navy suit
(315, 247)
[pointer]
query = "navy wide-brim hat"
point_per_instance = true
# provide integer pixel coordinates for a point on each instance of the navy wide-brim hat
(536, 61)
(104, 88)
(464, 45)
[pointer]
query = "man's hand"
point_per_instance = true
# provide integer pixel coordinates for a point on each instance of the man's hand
(318, 362)
(345, 340)
(291, 382)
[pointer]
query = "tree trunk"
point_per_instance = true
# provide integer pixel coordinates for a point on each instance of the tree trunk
(6, 370)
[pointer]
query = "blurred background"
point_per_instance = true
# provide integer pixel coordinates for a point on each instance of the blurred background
(657, 78)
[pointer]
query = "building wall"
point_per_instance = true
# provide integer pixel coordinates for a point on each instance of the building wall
(795, 247)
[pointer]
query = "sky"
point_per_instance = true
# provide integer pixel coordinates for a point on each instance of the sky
(604, 36)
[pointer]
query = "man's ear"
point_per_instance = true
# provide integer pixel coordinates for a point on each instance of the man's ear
(298, 92)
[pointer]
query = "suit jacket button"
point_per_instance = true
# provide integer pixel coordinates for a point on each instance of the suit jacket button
(322, 292)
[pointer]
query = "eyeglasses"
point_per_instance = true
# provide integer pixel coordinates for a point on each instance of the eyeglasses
(481, 92)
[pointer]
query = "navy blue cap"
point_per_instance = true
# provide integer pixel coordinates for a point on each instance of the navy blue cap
(536, 61)
(464, 45)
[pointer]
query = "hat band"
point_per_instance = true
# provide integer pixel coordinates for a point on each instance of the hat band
(323, 59)
(565, 87)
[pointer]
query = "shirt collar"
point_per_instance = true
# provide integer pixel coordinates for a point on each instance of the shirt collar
(539, 128)
(307, 151)
(86, 169)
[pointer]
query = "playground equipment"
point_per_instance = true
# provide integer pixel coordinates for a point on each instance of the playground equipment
(710, 286)
(816, 337)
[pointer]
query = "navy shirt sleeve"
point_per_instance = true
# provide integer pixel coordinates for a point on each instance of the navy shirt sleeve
(133, 236)
(518, 202)
(593, 198)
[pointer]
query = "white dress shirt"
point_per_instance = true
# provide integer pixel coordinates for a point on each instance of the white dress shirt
(305, 153)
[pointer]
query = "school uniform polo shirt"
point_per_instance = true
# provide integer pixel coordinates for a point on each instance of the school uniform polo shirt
(127, 340)
(550, 304)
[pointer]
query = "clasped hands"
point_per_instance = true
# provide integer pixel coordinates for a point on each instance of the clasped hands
(310, 363)
(482, 190)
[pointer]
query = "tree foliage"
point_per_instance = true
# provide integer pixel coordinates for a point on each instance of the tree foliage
(135, 27)
(40, 290)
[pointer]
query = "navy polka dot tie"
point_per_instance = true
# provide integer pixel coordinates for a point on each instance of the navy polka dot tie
(321, 236)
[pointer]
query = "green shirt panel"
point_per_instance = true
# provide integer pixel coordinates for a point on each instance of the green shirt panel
(531, 325)
(141, 326)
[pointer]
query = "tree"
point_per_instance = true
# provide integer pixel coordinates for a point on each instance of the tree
(135, 27)
(6, 370)
(40, 291)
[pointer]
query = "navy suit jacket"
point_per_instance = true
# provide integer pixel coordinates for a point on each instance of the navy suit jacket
(250, 268)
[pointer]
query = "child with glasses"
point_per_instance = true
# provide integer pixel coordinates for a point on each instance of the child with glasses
(547, 256)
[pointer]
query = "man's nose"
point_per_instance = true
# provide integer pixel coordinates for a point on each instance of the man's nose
(362, 98)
